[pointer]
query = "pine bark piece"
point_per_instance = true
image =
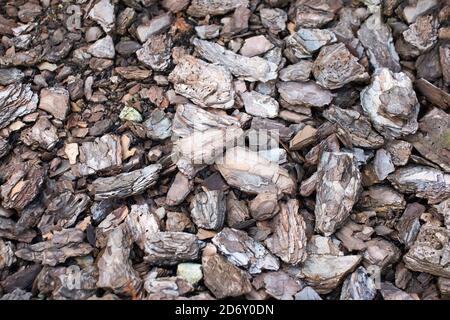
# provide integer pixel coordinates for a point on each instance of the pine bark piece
(205, 84)
(381, 253)
(238, 215)
(307, 293)
(208, 209)
(63, 211)
(381, 199)
(325, 272)
(337, 191)
(154, 27)
(280, 285)
(284, 132)
(16, 101)
(8, 231)
(63, 245)
(126, 184)
(17, 294)
(424, 182)
(178, 222)
(408, 225)
(391, 104)
(432, 138)
(141, 225)
(260, 105)
(189, 118)
(309, 185)
(376, 37)
(10, 76)
(103, 48)
(314, 14)
(246, 170)
(205, 147)
(108, 225)
(303, 138)
(168, 286)
(133, 73)
(155, 52)
(359, 286)
(224, 279)
(288, 240)
(103, 14)
(422, 34)
(115, 269)
(255, 46)
(433, 94)
(43, 133)
(429, 253)
(7, 257)
(250, 69)
(443, 285)
(399, 150)
(274, 19)
(304, 94)
(356, 125)
(55, 101)
(382, 164)
(59, 282)
(300, 71)
(243, 251)
(264, 206)
(179, 190)
(202, 8)
(104, 153)
(170, 248)
(22, 279)
(335, 66)
(4, 147)
(22, 184)
(350, 235)
(444, 59)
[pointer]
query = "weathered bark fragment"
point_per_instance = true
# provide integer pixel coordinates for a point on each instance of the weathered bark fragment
(408, 225)
(391, 104)
(202, 8)
(381, 199)
(260, 105)
(169, 248)
(247, 171)
(280, 285)
(23, 182)
(377, 39)
(16, 101)
(126, 184)
(243, 251)
(102, 154)
(335, 66)
(208, 209)
(356, 125)
(223, 278)
(189, 118)
(205, 84)
(63, 245)
(429, 253)
(431, 140)
(304, 94)
(155, 52)
(115, 269)
(359, 286)
(250, 69)
(337, 191)
(424, 182)
(288, 240)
